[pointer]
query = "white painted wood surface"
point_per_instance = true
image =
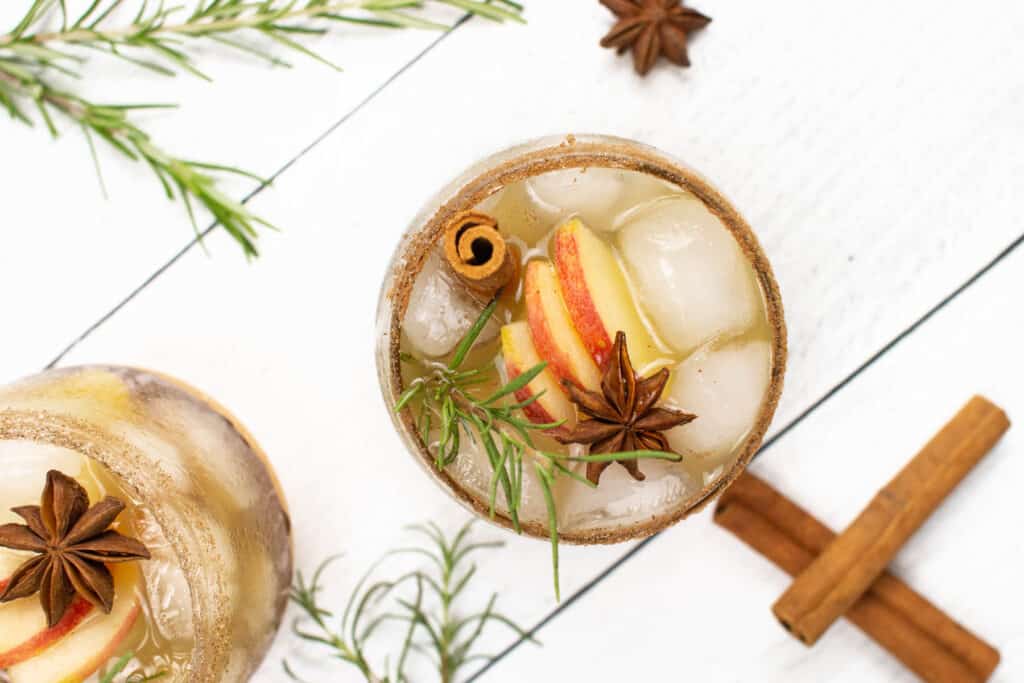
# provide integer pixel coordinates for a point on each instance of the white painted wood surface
(877, 148)
(966, 559)
(79, 254)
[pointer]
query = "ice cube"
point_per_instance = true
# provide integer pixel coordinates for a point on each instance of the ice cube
(641, 188)
(691, 277)
(173, 461)
(439, 313)
(472, 469)
(724, 388)
(170, 598)
(590, 193)
(25, 464)
(212, 446)
(520, 215)
(622, 500)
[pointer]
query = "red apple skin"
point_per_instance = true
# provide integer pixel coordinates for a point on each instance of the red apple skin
(75, 615)
(543, 338)
(551, 328)
(534, 412)
(47, 645)
(109, 651)
(599, 299)
(520, 355)
(578, 300)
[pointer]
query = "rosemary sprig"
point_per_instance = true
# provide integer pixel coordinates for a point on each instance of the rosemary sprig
(446, 392)
(190, 181)
(433, 625)
(158, 39)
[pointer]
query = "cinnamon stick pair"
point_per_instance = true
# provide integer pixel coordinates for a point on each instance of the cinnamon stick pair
(846, 574)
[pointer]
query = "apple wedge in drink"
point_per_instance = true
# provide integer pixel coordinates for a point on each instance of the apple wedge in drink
(72, 657)
(551, 329)
(598, 297)
(24, 617)
(550, 404)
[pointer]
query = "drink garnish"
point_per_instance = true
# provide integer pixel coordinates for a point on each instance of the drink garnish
(505, 436)
(73, 543)
(447, 392)
(623, 416)
(652, 28)
(477, 254)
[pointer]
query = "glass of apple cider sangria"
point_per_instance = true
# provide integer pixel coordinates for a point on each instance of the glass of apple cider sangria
(581, 338)
(142, 533)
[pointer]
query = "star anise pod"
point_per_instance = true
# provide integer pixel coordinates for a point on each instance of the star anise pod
(73, 546)
(652, 28)
(623, 416)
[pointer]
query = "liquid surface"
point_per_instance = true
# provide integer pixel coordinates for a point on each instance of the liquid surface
(654, 262)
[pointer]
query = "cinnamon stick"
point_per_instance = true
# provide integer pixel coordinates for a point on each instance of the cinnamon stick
(840, 575)
(478, 255)
(920, 635)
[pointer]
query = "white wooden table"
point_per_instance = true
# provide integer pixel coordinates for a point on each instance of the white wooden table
(876, 147)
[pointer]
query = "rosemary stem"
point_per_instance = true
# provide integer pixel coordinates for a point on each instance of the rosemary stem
(445, 668)
(188, 28)
(68, 107)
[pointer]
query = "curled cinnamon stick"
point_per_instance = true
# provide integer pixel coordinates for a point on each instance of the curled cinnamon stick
(840, 575)
(477, 253)
(919, 634)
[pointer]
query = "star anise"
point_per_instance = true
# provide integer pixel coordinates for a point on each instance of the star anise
(73, 546)
(652, 28)
(623, 416)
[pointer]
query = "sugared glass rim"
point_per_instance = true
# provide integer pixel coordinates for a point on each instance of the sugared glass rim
(518, 163)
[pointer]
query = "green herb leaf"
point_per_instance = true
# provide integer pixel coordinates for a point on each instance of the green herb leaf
(121, 664)
(118, 667)
(471, 336)
(408, 395)
(516, 384)
(547, 480)
(617, 457)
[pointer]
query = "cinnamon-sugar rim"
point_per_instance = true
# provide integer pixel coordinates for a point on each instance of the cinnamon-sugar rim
(590, 152)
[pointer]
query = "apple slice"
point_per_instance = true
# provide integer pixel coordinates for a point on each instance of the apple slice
(83, 651)
(552, 331)
(10, 560)
(520, 355)
(23, 630)
(598, 297)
